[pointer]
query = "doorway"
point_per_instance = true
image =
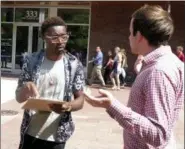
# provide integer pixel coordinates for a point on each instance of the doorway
(27, 40)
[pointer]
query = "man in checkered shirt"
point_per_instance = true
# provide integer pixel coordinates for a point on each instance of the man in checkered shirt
(157, 94)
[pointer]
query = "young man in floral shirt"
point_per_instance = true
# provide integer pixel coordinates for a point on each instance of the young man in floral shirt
(53, 74)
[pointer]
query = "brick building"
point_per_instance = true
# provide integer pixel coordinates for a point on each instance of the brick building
(91, 24)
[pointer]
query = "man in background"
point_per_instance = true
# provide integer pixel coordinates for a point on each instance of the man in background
(97, 67)
(180, 54)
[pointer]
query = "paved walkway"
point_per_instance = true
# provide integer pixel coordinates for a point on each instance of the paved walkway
(94, 128)
(8, 87)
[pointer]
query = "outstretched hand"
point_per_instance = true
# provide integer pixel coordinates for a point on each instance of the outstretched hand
(103, 100)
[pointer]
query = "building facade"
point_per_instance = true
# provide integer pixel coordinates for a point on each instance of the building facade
(91, 24)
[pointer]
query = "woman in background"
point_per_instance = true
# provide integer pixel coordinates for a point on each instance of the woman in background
(108, 67)
(116, 69)
(124, 66)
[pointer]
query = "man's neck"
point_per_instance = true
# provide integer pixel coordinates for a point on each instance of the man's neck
(53, 56)
(148, 49)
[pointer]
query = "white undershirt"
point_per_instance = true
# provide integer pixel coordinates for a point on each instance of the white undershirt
(50, 84)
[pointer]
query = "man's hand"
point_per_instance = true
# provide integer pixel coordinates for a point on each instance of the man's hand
(103, 101)
(58, 108)
(28, 90)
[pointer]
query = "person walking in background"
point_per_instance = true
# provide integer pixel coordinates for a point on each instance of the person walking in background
(3, 58)
(138, 64)
(108, 67)
(157, 95)
(179, 52)
(97, 67)
(116, 69)
(124, 66)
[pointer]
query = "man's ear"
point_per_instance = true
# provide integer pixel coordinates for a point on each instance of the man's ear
(139, 36)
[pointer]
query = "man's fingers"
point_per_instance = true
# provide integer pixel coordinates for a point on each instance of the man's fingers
(64, 106)
(30, 90)
(36, 93)
(90, 97)
(92, 102)
(34, 90)
(86, 95)
(104, 93)
(100, 96)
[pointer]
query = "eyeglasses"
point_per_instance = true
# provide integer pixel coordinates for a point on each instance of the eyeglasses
(57, 38)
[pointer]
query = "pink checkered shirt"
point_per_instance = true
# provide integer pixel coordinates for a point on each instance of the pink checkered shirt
(155, 100)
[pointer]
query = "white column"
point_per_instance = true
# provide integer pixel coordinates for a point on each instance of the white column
(14, 46)
(169, 7)
(52, 12)
(53, 9)
(30, 35)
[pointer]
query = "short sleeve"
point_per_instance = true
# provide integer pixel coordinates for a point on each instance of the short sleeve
(79, 79)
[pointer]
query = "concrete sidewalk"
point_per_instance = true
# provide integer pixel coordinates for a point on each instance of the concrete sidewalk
(8, 87)
(94, 128)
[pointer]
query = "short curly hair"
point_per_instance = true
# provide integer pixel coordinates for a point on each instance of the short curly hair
(50, 22)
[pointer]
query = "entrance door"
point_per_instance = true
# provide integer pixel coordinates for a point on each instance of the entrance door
(27, 40)
(22, 36)
(6, 46)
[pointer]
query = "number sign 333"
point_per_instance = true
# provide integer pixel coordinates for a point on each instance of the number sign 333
(31, 14)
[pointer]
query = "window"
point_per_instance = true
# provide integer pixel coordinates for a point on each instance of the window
(78, 36)
(6, 45)
(27, 14)
(77, 21)
(7, 14)
(78, 41)
(80, 16)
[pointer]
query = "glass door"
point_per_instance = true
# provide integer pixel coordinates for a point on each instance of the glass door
(22, 36)
(6, 46)
(27, 40)
(37, 42)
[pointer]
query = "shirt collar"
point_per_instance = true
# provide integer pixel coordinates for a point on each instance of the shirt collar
(157, 53)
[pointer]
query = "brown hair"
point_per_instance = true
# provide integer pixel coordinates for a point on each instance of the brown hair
(154, 23)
